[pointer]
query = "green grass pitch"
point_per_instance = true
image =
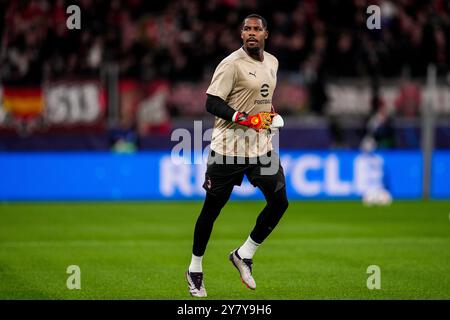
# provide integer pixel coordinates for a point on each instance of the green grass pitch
(140, 250)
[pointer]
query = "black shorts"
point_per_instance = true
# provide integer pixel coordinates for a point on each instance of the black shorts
(223, 173)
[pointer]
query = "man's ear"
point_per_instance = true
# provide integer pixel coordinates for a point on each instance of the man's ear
(266, 35)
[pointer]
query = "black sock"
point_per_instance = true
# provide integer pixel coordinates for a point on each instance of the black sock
(205, 222)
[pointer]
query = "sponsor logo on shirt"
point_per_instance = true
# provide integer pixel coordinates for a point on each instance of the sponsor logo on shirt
(264, 90)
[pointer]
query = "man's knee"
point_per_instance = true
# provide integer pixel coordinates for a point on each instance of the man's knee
(280, 202)
(284, 204)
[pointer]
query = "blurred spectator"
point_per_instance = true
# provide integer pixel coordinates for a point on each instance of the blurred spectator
(182, 39)
(409, 100)
(379, 128)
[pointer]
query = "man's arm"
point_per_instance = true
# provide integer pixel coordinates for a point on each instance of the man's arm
(218, 107)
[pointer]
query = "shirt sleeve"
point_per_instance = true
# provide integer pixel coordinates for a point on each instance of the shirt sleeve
(222, 81)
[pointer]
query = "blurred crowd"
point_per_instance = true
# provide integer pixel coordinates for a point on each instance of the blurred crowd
(165, 53)
(185, 39)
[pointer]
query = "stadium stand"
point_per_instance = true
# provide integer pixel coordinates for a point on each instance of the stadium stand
(332, 69)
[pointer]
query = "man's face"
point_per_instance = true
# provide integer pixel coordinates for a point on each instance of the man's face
(253, 34)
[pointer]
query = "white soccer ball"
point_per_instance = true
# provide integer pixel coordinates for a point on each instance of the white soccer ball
(377, 197)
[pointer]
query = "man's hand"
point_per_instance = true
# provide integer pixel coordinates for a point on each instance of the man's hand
(258, 121)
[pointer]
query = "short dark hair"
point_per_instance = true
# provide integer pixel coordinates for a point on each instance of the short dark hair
(257, 16)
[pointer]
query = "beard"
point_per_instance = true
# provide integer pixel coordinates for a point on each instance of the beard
(253, 50)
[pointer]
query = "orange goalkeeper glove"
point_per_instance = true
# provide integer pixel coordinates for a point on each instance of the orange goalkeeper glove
(258, 121)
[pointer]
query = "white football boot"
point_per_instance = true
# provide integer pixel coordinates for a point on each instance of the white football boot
(244, 267)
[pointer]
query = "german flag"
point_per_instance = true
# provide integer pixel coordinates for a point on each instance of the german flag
(23, 102)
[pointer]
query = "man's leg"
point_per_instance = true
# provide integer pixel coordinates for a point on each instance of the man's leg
(269, 217)
(202, 232)
(211, 209)
(219, 182)
(274, 190)
(220, 179)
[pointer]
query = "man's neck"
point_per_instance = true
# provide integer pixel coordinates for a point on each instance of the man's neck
(259, 56)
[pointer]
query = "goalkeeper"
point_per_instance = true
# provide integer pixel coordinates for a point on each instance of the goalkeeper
(240, 96)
